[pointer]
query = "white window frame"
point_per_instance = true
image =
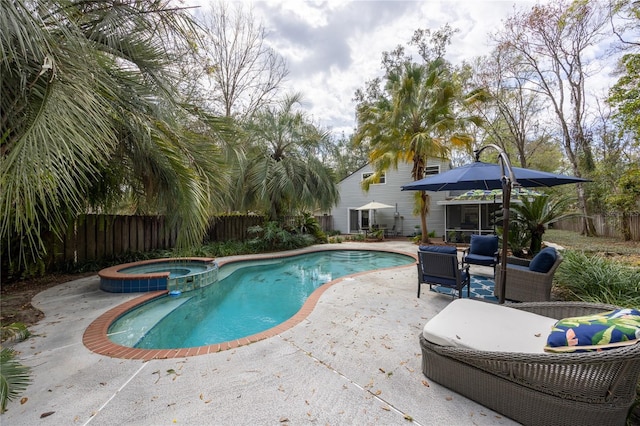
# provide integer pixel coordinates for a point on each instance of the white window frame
(431, 170)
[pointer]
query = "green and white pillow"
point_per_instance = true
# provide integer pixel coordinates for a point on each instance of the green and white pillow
(596, 332)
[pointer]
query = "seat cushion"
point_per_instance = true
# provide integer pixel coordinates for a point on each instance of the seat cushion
(544, 260)
(439, 249)
(485, 245)
(478, 259)
(517, 267)
(484, 326)
(596, 332)
(447, 282)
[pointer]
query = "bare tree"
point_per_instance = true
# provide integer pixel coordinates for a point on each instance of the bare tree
(624, 16)
(244, 73)
(552, 41)
(513, 114)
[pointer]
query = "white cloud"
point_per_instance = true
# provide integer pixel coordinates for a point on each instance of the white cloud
(313, 13)
(333, 47)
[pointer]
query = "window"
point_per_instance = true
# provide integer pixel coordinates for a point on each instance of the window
(431, 170)
(383, 177)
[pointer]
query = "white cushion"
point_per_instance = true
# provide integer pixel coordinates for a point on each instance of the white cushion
(484, 326)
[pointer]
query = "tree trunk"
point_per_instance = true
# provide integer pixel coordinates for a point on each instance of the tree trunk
(424, 210)
(536, 243)
(588, 228)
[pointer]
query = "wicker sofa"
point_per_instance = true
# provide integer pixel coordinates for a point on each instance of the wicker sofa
(593, 388)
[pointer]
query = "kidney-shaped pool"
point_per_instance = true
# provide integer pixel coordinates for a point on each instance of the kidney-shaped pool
(249, 297)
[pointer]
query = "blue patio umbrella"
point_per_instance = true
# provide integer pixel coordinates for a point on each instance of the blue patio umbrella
(480, 175)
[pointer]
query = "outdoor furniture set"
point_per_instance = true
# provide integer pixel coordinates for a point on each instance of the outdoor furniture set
(539, 363)
(528, 280)
(496, 354)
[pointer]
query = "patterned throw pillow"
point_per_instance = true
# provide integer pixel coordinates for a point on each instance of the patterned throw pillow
(596, 332)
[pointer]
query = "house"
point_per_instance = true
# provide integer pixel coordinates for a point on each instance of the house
(399, 217)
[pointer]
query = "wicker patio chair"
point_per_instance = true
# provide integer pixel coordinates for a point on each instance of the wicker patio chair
(438, 265)
(593, 388)
(525, 285)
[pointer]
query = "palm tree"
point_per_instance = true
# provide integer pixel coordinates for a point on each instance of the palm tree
(283, 173)
(91, 114)
(413, 120)
(534, 215)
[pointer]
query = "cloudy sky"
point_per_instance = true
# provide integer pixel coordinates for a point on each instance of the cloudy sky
(333, 47)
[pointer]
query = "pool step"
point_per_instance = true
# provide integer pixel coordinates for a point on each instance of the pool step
(144, 319)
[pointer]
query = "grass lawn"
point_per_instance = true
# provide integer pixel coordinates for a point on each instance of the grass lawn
(627, 252)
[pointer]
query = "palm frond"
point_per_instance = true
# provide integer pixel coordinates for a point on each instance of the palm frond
(103, 119)
(16, 331)
(14, 377)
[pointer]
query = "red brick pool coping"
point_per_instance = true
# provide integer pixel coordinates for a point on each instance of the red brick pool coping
(96, 340)
(113, 272)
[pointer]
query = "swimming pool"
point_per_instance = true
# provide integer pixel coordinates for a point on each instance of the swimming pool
(249, 298)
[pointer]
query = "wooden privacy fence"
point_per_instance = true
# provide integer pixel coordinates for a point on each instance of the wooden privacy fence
(606, 225)
(101, 236)
(326, 222)
(98, 236)
(233, 227)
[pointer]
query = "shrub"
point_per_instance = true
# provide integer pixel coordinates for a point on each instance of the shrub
(355, 237)
(597, 279)
(418, 237)
(378, 234)
(272, 237)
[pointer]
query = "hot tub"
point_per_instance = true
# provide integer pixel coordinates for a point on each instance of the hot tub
(175, 274)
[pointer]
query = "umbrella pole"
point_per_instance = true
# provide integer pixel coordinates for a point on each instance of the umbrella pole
(508, 179)
(506, 201)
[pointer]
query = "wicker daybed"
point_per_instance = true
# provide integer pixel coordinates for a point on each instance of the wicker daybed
(593, 388)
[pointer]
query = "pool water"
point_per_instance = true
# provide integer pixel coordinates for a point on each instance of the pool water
(175, 269)
(250, 297)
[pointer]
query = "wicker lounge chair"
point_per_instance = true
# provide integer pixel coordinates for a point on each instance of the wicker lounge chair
(525, 285)
(593, 388)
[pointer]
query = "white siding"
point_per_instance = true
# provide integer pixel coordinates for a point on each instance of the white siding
(353, 196)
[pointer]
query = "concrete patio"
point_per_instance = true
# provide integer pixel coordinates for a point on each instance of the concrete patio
(354, 360)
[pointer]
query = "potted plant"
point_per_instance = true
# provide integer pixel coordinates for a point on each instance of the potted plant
(377, 235)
